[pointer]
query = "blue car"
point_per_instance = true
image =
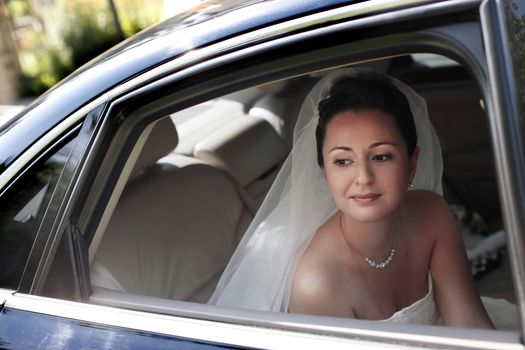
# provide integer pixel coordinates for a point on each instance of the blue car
(125, 189)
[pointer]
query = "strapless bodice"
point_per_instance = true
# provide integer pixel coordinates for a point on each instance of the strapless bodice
(423, 311)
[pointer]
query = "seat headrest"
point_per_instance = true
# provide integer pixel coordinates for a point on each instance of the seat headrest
(161, 141)
(247, 148)
(271, 108)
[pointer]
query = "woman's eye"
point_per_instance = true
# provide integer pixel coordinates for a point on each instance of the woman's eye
(342, 162)
(382, 157)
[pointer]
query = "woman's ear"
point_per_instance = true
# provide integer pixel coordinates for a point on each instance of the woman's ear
(413, 163)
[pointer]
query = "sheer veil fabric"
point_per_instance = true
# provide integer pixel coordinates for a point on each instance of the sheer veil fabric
(260, 271)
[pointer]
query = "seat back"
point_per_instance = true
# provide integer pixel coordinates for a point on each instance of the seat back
(174, 229)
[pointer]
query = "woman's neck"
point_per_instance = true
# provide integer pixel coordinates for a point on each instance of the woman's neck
(371, 239)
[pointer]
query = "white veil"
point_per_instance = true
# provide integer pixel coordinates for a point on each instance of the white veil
(260, 271)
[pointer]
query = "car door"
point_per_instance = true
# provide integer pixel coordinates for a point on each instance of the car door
(56, 293)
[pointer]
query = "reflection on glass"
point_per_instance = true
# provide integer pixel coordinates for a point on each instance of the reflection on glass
(21, 208)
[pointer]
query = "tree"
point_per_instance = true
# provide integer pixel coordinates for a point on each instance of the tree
(116, 20)
(9, 64)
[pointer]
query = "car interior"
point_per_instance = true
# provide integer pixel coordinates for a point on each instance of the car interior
(203, 172)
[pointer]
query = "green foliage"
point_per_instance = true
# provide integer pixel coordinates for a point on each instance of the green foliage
(17, 8)
(86, 38)
(45, 66)
(85, 34)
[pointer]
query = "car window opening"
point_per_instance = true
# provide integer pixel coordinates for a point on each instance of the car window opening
(201, 177)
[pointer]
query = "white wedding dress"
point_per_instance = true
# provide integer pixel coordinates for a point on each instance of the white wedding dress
(423, 311)
(260, 271)
(503, 314)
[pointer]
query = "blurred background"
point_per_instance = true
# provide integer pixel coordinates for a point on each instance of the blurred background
(43, 41)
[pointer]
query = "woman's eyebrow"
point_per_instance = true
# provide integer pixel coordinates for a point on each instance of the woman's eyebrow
(374, 145)
(381, 143)
(341, 148)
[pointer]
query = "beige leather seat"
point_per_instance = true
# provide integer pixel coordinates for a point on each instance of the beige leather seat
(175, 226)
(249, 149)
(281, 109)
(252, 148)
(197, 122)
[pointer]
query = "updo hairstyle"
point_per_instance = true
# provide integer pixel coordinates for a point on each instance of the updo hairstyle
(366, 90)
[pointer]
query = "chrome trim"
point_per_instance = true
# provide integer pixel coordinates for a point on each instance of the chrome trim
(207, 331)
(49, 137)
(5, 294)
(289, 335)
(370, 331)
(368, 7)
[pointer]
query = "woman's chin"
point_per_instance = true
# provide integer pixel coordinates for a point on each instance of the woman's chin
(367, 214)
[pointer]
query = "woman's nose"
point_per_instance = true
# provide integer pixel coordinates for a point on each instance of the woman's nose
(364, 174)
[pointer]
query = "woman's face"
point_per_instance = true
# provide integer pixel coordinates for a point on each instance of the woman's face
(366, 164)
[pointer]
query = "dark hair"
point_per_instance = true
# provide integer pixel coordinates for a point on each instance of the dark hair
(366, 90)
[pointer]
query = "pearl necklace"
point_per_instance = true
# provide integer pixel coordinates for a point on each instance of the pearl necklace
(383, 264)
(374, 264)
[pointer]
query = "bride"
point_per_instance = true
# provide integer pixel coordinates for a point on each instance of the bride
(356, 226)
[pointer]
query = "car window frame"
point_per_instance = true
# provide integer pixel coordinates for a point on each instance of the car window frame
(32, 169)
(474, 63)
(509, 146)
(46, 240)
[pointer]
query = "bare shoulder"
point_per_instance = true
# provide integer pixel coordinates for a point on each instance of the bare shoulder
(429, 208)
(312, 281)
(317, 277)
(313, 276)
(427, 202)
(430, 214)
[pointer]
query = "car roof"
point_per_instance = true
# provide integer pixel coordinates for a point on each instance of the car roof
(202, 25)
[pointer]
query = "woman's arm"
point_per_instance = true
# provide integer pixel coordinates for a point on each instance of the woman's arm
(454, 289)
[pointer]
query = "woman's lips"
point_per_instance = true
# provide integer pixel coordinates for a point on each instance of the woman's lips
(365, 198)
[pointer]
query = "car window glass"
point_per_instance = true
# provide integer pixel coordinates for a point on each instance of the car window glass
(21, 208)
